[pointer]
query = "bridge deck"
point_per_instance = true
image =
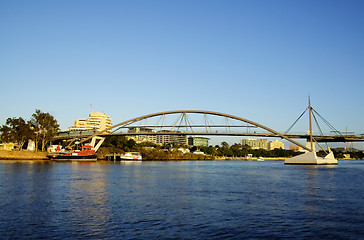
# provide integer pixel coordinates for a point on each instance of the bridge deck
(325, 138)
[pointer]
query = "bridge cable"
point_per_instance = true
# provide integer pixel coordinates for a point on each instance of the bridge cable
(158, 123)
(186, 122)
(181, 121)
(164, 118)
(286, 132)
(207, 123)
(204, 115)
(189, 123)
(123, 126)
(328, 124)
(318, 126)
(176, 121)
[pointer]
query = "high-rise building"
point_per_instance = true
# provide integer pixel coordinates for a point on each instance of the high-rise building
(96, 121)
(147, 134)
(180, 139)
(143, 137)
(198, 141)
(275, 144)
(295, 148)
(162, 139)
(255, 143)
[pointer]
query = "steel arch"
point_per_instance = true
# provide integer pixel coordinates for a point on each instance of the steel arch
(128, 122)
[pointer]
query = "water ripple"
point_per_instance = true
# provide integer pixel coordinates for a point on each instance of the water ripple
(181, 200)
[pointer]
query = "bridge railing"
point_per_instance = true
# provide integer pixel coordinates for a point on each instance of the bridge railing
(192, 122)
(75, 134)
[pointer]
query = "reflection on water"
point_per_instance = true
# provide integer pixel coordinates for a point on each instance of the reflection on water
(193, 200)
(88, 197)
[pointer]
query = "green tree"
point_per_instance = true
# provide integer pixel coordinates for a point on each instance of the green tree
(193, 149)
(17, 130)
(130, 144)
(45, 127)
(208, 150)
(115, 141)
(120, 142)
(225, 145)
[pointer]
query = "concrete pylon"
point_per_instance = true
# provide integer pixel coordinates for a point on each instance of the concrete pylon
(310, 158)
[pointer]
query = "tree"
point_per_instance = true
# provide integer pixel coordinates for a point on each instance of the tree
(208, 150)
(193, 149)
(225, 145)
(115, 141)
(130, 144)
(147, 144)
(17, 130)
(120, 142)
(45, 127)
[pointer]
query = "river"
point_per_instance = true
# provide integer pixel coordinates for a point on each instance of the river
(181, 200)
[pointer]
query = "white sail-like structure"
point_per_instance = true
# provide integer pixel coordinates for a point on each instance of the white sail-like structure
(310, 157)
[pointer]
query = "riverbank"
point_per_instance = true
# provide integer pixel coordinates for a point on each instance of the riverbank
(249, 159)
(30, 155)
(23, 155)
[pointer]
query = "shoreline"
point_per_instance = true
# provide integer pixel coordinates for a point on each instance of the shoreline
(30, 155)
(22, 155)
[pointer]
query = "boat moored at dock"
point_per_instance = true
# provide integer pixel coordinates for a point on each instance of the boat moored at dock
(125, 157)
(87, 153)
(131, 156)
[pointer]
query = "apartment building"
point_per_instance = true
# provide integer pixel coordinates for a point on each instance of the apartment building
(275, 144)
(143, 137)
(255, 143)
(198, 141)
(96, 121)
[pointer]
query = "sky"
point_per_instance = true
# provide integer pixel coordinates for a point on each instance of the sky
(258, 59)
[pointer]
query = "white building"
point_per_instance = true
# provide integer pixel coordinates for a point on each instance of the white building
(198, 141)
(96, 121)
(295, 148)
(157, 139)
(255, 143)
(275, 144)
(143, 137)
(171, 138)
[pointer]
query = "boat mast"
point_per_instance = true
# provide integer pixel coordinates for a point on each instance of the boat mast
(310, 127)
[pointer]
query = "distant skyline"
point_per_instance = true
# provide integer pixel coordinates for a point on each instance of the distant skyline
(258, 60)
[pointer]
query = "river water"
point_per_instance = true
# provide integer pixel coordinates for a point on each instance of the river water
(181, 200)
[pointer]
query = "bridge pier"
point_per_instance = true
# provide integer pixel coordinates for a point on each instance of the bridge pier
(113, 157)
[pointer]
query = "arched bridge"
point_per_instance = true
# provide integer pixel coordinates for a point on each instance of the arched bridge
(188, 122)
(199, 122)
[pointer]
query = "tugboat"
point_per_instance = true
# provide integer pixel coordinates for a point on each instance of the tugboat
(87, 153)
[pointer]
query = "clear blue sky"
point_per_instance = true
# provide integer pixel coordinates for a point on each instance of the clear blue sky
(254, 59)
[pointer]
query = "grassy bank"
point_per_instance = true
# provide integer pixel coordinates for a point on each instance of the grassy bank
(22, 155)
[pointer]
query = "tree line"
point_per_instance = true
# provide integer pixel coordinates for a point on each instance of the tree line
(238, 150)
(119, 144)
(149, 150)
(41, 129)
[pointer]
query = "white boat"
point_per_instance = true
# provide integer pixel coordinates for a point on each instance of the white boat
(131, 156)
(260, 159)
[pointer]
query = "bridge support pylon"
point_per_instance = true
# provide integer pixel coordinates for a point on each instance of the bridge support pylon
(310, 158)
(93, 142)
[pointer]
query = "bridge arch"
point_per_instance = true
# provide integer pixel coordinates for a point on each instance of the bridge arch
(137, 119)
